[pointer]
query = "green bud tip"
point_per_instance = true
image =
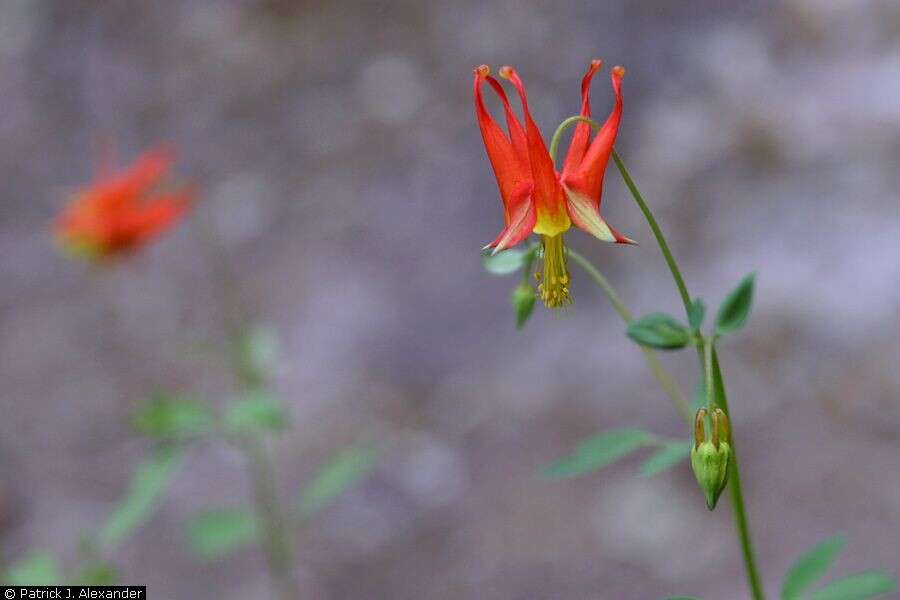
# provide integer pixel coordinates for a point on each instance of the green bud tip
(709, 458)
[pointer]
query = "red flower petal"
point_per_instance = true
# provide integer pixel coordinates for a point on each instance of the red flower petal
(507, 154)
(582, 134)
(587, 177)
(548, 196)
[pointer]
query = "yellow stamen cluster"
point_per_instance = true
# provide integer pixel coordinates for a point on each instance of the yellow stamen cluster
(554, 289)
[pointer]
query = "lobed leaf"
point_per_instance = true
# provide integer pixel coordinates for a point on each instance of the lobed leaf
(147, 485)
(598, 451)
(867, 584)
(696, 314)
(259, 353)
(335, 476)
(659, 330)
(255, 413)
(215, 533)
(173, 417)
(810, 567)
(504, 263)
(37, 568)
(523, 299)
(666, 457)
(735, 309)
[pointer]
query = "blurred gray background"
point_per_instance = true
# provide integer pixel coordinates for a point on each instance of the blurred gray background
(338, 158)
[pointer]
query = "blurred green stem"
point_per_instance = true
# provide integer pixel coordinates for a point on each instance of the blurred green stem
(665, 380)
(260, 463)
(277, 545)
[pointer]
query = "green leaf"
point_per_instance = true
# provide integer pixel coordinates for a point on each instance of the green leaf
(867, 584)
(335, 476)
(504, 263)
(215, 533)
(666, 457)
(523, 298)
(659, 330)
(260, 353)
(736, 307)
(256, 412)
(173, 417)
(597, 452)
(37, 568)
(810, 567)
(148, 482)
(98, 573)
(696, 313)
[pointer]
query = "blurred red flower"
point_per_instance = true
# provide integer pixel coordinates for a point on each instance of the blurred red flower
(121, 212)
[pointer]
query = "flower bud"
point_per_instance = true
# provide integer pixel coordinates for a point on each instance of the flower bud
(523, 303)
(709, 458)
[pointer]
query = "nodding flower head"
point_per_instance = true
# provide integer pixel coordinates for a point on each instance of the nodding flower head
(709, 458)
(121, 212)
(538, 198)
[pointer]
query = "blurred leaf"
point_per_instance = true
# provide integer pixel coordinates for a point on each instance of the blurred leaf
(867, 584)
(736, 307)
(98, 573)
(504, 263)
(37, 568)
(335, 476)
(260, 353)
(148, 482)
(173, 417)
(666, 457)
(598, 451)
(215, 533)
(256, 412)
(696, 313)
(659, 330)
(523, 298)
(810, 567)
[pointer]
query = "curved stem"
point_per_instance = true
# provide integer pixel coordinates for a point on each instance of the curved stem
(737, 497)
(665, 380)
(657, 232)
(554, 141)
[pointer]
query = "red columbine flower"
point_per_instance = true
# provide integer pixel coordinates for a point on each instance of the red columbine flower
(536, 197)
(122, 212)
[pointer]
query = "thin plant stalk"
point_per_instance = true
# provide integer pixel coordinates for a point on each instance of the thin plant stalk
(737, 499)
(682, 407)
(275, 523)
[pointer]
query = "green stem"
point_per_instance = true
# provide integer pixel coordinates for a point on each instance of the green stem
(737, 497)
(276, 544)
(275, 523)
(657, 232)
(708, 375)
(665, 380)
(554, 141)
